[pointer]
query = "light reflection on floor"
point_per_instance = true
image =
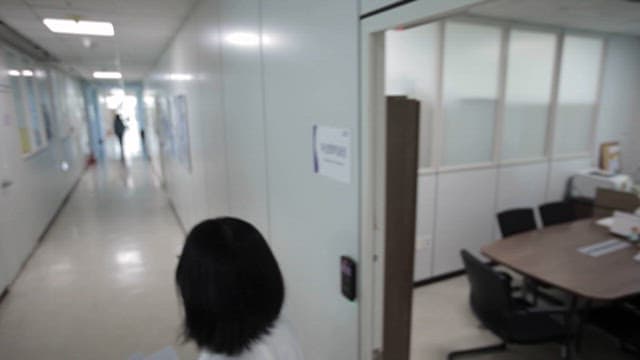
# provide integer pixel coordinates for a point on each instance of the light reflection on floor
(101, 284)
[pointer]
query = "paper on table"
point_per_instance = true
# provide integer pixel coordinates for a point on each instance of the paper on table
(606, 222)
(604, 247)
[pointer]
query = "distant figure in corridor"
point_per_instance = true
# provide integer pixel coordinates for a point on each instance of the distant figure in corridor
(232, 292)
(119, 128)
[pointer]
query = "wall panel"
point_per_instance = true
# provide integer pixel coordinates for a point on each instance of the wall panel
(41, 180)
(521, 186)
(252, 109)
(425, 223)
(561, 171)
(464, 216)
(314, 220)
(243, 112)
(618, 118)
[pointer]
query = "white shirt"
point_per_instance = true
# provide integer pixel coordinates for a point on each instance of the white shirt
(279, 344)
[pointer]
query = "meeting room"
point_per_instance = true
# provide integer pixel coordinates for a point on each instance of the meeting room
(527, 220)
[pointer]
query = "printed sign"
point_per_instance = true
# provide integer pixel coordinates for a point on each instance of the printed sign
(332, 153)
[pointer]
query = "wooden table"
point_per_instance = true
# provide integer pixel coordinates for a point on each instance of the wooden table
(551, 256)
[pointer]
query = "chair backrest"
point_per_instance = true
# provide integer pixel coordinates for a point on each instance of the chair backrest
(608, 200)
(490, 293)
(557, 213)
(516, 221)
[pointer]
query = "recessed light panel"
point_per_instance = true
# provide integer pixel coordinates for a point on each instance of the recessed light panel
(80, 27)
(107, 75)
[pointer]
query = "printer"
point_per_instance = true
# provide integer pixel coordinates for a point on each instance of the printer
(586, 182)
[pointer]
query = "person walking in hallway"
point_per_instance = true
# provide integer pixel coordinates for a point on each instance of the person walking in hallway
(119, 128)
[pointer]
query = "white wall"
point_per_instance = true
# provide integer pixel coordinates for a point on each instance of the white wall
(251, 113)
(619, 118)
(39, 181)
(190, 67)
(464, 216)
(244, 115)
(425, 225)
(311, 78)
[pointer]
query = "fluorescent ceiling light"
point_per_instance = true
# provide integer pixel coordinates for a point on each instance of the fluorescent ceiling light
(180, 77)
(27, 73)
(107, 75)
(243, 39)
(80, 27)
(14, 72)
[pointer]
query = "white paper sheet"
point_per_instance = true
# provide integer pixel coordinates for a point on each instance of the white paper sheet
(332, 153)
(605, 222)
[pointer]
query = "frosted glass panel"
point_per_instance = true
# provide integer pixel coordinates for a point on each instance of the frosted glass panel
(578, 90)
(411, 70)
(471, 61)
(528, 94)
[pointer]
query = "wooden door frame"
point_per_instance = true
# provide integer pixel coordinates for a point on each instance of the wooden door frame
(373, 156)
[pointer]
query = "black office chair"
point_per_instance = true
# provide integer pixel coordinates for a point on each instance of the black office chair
(621, 320)
(507, 317)
(557, 213)
(516, 221)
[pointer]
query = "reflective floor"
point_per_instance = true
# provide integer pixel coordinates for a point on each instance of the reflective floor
(100, 286)
(443, 322)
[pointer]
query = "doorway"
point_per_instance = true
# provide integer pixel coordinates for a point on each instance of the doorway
(375, 172)
(117, 101)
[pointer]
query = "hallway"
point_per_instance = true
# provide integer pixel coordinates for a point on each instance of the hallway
(100, 285)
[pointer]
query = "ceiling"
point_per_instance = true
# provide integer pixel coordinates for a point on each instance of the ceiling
(615, 16)
(143, 30)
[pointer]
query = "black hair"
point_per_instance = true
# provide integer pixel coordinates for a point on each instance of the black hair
(231, 286)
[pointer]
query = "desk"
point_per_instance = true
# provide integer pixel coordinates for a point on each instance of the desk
(551, 255)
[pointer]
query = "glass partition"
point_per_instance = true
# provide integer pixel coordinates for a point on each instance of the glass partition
(411, 62)
(470, 91)
(578, 91)
(530, 67)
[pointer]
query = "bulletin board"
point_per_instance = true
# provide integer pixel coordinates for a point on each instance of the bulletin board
(181, 128)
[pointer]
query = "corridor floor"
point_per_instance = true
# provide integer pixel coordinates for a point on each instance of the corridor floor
(100, 285)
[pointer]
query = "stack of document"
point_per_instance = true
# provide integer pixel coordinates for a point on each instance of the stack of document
(604, 247)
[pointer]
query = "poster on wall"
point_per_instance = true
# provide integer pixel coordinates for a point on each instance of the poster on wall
(181, 128)
(166, 127)
(332, 153)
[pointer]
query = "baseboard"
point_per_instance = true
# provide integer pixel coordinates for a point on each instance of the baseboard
(175, 214)
(435, 279)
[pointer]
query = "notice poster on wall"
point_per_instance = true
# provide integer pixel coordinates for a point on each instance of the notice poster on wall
(166, 127)
(332, 153)
(181, 127)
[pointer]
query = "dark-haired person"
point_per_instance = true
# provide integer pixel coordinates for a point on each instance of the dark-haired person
(119, 128)
(232, 292)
